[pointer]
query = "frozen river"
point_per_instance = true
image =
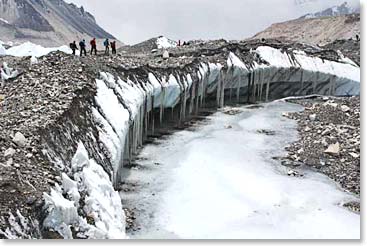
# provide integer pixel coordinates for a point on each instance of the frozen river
(219, 181)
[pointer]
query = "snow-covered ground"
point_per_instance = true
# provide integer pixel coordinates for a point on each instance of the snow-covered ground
(220, 181)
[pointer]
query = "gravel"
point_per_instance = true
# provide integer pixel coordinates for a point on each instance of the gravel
(329, 141)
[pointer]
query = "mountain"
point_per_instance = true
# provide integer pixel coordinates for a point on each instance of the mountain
(160, 42)
(343, 9)
(46, 22)
(316, 31)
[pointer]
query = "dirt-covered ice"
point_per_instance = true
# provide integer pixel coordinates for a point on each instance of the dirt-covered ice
(220, 181)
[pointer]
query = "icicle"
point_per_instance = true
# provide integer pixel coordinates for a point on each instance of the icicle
(126, 153)
(219, 89)
(152, 114)
(192, 97)
(254, 87)
(249, 79)
(163, 97)
(302, 83)
(238, 87)
(334, 85)
(205, 91)
(222, 78)
(267, 90)
(261, 75)
(314, 82)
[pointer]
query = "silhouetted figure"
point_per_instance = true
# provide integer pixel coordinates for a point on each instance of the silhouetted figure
(106, 44)
(73, 47)
(113, 47)
(357, 37)
(82, 46)
(93, 44)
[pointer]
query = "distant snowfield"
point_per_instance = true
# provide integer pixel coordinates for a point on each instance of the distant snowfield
(31, 49)
(220, 182)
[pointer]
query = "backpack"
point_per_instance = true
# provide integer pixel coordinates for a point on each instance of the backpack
(71, 45)
(106, 43)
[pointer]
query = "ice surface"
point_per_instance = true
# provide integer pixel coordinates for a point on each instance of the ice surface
(221, 182)
(31, 49)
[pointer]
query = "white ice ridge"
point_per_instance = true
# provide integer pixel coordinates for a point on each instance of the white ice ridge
(345, 69)
(103, 216)
(164, 43)
(35, 50)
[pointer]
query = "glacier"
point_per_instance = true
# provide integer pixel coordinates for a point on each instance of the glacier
(128, 108)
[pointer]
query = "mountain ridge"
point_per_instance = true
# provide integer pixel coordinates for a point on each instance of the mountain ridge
(48, 23)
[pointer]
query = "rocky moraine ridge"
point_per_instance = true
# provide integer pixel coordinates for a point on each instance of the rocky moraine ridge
(69, 124)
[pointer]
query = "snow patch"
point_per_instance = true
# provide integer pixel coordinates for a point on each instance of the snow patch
(31, 49)
(165, 43)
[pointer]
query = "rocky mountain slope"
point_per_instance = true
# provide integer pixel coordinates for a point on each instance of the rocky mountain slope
(317, 31)
(46, 22)
(149, 45)
(69, 125)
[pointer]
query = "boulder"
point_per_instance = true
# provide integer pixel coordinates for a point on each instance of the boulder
(9, 152)
(333, 149)
(345, 108)
(20, 139)
(312, 117)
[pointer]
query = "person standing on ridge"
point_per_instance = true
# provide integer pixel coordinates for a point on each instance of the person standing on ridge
(73, 47)
(106, 44)
(113, 47)
(93, 44)
(82, 46)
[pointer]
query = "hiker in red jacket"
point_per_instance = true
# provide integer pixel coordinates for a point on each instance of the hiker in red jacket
(93, 44)
(113, 47)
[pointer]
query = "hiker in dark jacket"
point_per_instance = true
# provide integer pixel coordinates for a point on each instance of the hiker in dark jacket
(82, 46)
(93, 44)
(113, 47)
(106, 44)
(73, 47)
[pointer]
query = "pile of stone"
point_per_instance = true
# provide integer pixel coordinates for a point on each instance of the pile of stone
(29, 104)
(329, 130)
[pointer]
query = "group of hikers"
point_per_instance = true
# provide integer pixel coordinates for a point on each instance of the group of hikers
(93, 43)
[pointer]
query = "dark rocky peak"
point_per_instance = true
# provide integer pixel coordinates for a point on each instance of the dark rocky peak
(343, 9)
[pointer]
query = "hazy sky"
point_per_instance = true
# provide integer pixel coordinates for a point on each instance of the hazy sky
(133, 21)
